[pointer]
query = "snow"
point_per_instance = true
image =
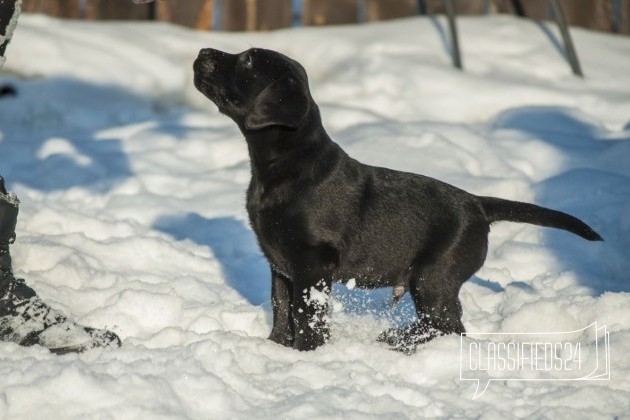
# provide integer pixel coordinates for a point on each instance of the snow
(132, 217)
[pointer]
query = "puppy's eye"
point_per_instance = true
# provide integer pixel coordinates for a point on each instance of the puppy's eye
(248, 62)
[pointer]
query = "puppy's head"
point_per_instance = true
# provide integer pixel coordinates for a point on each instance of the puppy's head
(257, 88)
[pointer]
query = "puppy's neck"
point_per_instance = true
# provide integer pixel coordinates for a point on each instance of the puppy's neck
(278, 153)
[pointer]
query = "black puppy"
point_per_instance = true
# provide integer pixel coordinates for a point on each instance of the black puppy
(321, 216)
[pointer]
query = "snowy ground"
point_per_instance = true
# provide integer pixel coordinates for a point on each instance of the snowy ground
(132, 217)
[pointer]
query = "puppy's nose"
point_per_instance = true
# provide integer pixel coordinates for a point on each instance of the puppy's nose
(205, 52)
(205, 65)
(214, 54)
(205, 61)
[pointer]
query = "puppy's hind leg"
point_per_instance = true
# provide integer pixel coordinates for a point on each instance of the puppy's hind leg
(435, 297)
(434, 288)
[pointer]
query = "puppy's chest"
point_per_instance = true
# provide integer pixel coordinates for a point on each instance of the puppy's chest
(276, 214)
(274, 227)
(276, 231)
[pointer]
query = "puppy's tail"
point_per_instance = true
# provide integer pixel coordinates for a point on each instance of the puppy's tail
(497, 209)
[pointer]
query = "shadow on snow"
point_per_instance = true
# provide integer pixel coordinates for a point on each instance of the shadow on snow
(233, 244)
(594, 186)
(49, 133)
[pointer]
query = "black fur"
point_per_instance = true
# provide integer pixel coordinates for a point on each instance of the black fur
(321, 216)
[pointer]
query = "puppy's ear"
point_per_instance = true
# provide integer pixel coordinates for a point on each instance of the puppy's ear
(284, 103)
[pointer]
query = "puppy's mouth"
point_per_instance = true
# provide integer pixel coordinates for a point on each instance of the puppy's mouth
(202, 68)
(203, 80)
(211, 91)
(202, 84)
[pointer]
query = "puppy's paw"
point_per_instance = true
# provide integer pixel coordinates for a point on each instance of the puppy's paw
(406, 340)
(399, 340)
(310, 340)
(283, 338)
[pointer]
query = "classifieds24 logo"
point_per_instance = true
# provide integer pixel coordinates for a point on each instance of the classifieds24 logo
(580, 355)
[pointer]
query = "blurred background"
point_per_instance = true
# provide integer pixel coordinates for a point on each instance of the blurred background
(253, 15)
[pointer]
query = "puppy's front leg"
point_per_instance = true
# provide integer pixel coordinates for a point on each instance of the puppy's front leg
(281, 296)
(311, 293)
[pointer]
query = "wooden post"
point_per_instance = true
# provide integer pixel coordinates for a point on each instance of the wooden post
(256, 15)
(537, 9)
(624, 19)
(233, 15)
(117, 10)
(329, 12)
(389, 9)
(593, 14)
(512, 7)
(57, 8)
(461, 7)
(205, 19)
(192, 13)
